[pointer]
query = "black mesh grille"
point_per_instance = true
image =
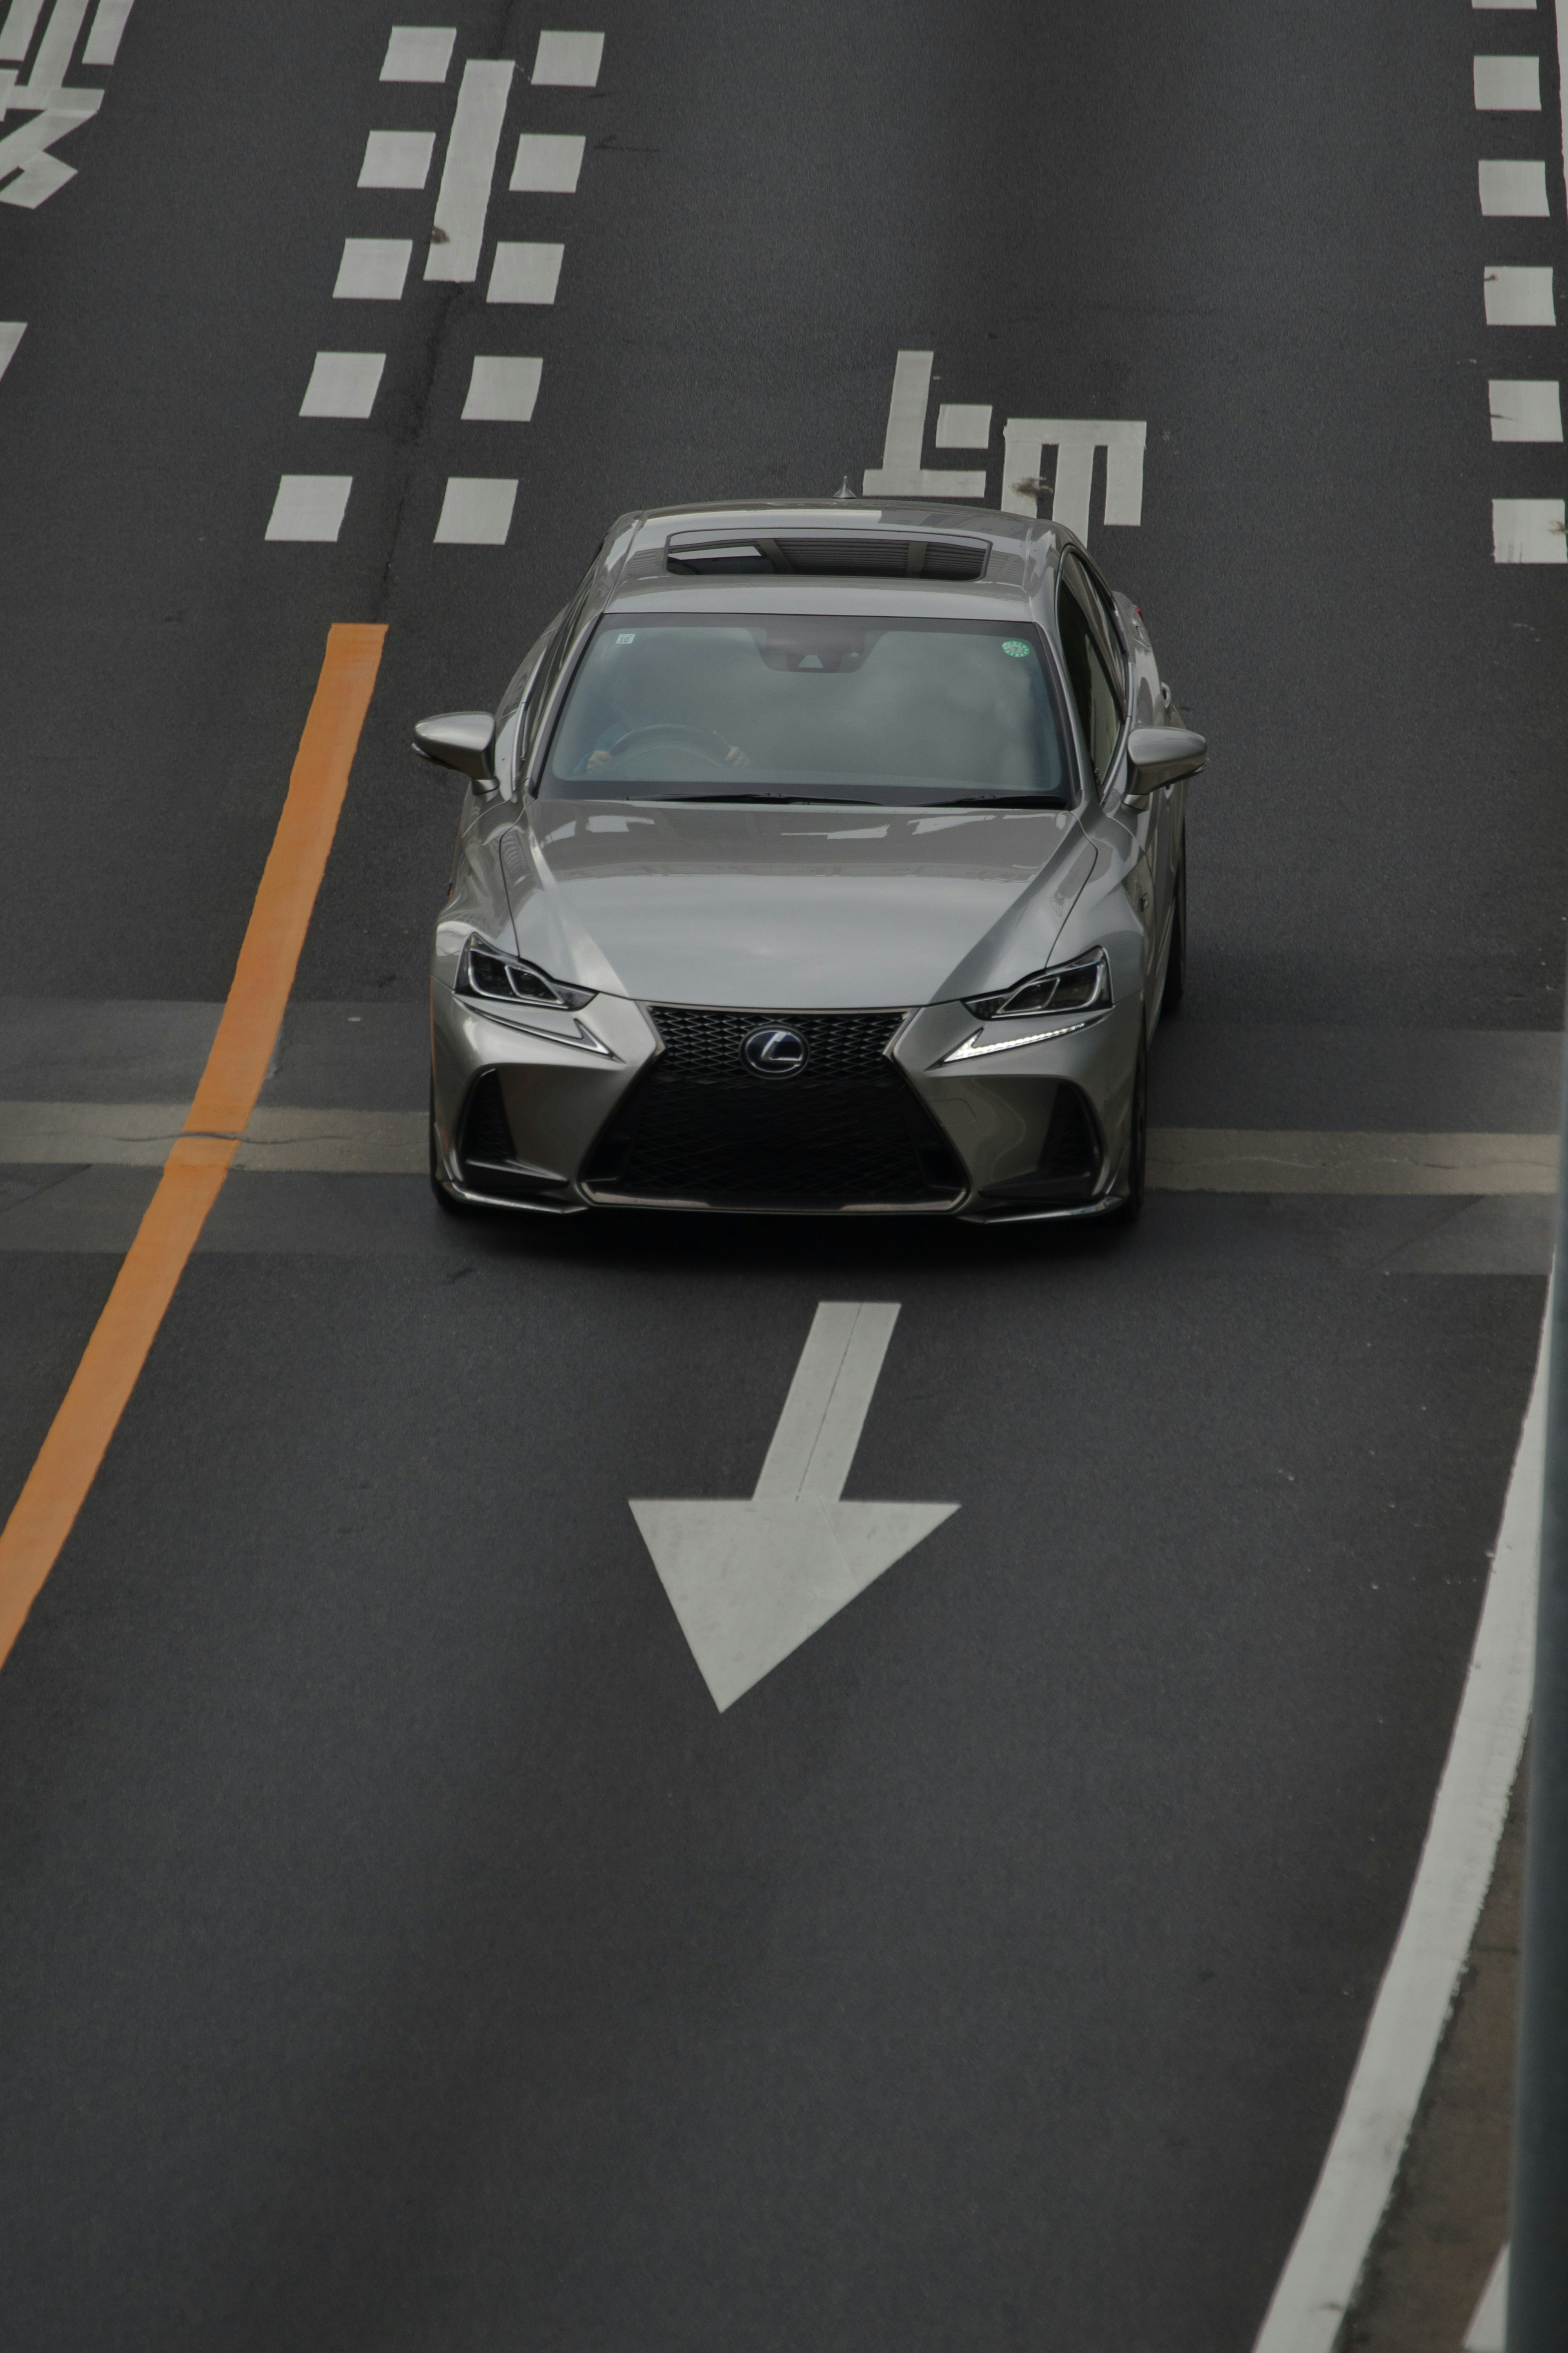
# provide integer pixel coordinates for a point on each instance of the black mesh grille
(847, 1131)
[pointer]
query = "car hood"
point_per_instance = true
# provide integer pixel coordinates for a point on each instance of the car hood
(791, 908)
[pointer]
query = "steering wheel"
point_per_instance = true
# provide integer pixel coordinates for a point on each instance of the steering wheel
(706, 743)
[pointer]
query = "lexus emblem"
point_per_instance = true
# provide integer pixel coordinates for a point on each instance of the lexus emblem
(775, 1053)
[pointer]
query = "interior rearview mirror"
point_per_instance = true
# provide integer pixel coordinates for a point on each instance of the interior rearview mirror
(463, 740)
(1163, 756)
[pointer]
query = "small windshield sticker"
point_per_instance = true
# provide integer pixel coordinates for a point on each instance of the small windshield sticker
(625, 637)
(1016, 648)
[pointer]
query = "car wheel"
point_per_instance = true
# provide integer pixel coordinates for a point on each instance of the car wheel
(1176, 962)
(447, 1201)
(1137, 1140)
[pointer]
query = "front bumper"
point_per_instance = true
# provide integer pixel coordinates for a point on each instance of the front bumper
(522, 1110)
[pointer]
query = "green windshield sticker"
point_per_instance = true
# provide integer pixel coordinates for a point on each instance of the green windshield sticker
(1016, 648)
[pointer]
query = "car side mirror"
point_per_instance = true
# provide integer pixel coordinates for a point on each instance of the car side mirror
(1157, 756)
(463, 740)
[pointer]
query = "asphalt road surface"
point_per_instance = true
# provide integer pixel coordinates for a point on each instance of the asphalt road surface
(399, 1950)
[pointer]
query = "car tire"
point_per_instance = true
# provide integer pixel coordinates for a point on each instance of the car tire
(1131, 1204)
(444, 1201)
(1176, 987)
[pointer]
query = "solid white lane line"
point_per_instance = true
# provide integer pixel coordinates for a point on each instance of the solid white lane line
(525, 273)
(1518, 297)
(372, 268)
(1254, 1160)
(16, 32)
(1529, 531)
(571, 61)
(343, 384)
(11, 334)
(468, 171)
(1513, 191)
(1487, 2331)
(960, 426)
(397, 159)
(108, 25)
(418, 52)
(476, 512)
(309, 506)
(502, 391)
(547, 164)
(1525, 412)
(1417, 1989)
(1562, 79)
(1507, 85)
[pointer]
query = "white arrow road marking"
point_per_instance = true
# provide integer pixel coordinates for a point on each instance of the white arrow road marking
(751, 1582)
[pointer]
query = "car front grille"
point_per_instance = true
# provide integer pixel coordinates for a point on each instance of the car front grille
(846, 1131)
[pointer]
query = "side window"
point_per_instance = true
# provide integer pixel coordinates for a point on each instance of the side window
(1110, 632)
(1099, 704)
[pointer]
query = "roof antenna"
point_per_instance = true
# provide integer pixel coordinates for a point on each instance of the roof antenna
(843, 492)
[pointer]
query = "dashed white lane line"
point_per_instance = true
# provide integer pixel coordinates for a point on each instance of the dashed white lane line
(468, 171)
(309, 506)
(547, 164)
(1319, 2280)
(1512, 191)
(1529, 531)
(525, 273)
(419, 52)
(502, 391)
(1525, 412)
(372, 268)
(1507, 85)
(108, 26)
(571, 61)
(476, 512)
(397, 159)
(343, 384)
(1503, 4)
(1520, 298)
(11, 334)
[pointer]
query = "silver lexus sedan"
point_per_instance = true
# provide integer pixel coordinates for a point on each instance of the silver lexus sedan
(821, 858)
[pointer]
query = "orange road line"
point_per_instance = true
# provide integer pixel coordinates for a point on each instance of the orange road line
(194, 1172)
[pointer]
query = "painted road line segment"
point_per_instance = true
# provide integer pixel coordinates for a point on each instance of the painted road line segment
(418, 52)
(1513, 191)
(199, 1160)
(470, 171)
(569, 60)
(1319, 2277)
(750, 1582)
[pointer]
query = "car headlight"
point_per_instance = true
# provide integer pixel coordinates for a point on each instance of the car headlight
(507, 980)
(1081, 987)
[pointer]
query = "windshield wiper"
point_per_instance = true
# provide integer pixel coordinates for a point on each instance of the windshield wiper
(999, 800)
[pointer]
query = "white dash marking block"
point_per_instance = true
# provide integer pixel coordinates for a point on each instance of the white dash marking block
(309, 506)
(418, 52)
(1520, 298)
(108, 25)
(525, 273)
(960, 426)
(343, 384)
(1529, 531)
(1507, 85)
(1503, 4)
(571, 61)
(476, 512)
(372, 268)
(1511, 191)
(11, 334)
(1525, 412)
(467, 176)
(502, 391)
(547, 164)
(397, 159)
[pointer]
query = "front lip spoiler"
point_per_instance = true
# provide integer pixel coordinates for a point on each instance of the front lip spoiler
(471, 1199)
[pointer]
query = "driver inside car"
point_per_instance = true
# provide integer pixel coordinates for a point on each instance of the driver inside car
(638, 696)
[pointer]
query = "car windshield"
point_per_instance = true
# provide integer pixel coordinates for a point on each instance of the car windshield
(811, 707)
